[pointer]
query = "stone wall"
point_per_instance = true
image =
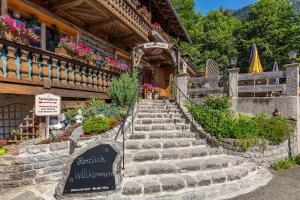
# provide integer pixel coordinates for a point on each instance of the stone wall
(33, 163)
(261, 156)
(287, 106)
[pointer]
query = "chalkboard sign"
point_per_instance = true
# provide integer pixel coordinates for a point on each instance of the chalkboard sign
(92, 171)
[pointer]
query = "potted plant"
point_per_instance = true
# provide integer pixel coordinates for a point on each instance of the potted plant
(148, 90)
(14, 134)
(172, 96)
(2, 144)
(156, 93)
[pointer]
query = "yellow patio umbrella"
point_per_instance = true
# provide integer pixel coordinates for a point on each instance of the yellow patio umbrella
(255, 64)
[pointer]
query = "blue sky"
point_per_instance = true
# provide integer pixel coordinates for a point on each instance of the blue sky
(207, 5)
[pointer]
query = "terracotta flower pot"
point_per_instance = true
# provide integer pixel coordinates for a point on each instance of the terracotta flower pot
(61, 51)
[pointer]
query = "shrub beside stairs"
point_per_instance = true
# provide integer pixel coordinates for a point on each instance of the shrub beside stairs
(164, 160)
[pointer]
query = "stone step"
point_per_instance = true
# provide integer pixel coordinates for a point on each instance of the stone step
(163, 143)
(159, 115)
(153, 101)
(170, 154)
(159, 121)
(180, 166)
(153, 184)
(164, 111)
(153, 107)
(161, 127)
(161, 135)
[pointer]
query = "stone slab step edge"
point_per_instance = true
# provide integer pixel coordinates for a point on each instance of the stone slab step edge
(175, 182)
(170, 154)
(161, 127)
(163, 143)
(161, 135)
(160, 167)
(147, 121)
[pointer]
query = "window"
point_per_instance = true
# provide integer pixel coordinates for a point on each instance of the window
(19, 117)
(52, 38)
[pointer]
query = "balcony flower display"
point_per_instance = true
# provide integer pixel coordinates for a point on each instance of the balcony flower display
(158, 28)
(16, 32)
(78, 51)
(115, 64)
(145, 13)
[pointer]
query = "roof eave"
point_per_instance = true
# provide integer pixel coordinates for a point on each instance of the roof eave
(180, 22)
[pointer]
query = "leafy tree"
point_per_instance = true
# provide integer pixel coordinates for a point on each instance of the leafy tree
(192, 23)
(218, 41)
(273, 27)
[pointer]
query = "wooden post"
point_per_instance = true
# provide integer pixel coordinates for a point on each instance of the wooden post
(11, 64)
(1, 63)
(100, 81)
(43, 36)
(104, 81)
(55, 80)
(83, 77)
(45, 69)
(95, 79)
(35, 67)
(90, 79)
(3, 7)
(77, 78)
(70, 75)
(63, 73)
(24, 67)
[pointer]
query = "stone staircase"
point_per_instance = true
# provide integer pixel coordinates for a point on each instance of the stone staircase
(164, 160)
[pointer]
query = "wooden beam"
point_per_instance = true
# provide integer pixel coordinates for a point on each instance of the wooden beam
(62, 5)
(262, 88)
(3, 7)
(10, 88)
(102, 22)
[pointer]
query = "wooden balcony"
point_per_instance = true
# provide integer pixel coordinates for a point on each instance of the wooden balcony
(115, 20)
(30, 71)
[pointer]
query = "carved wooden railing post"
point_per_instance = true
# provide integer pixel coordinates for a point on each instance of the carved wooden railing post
(77, 78)
(11, 65)
(109, 77)
(90, 78)
(24, 67)
(45, 69)
(35, 67)
(70, 75)
(83, 77)
(104, 81)
(1, 63)
(100, 81)
(55, 80)
(63, 73)
(95, 79)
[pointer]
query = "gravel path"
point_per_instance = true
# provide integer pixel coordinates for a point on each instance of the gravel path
(285, 185)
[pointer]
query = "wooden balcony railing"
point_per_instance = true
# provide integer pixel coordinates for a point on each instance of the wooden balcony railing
(69, 77)
(128, 13)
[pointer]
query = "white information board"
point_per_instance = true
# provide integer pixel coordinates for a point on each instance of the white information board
(47, 105)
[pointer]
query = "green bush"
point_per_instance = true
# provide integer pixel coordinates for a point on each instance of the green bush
(122, 89)
(221, 103)
(284, 164)
(297, 159)
(215, 118)
(95, 125)
(274, 129)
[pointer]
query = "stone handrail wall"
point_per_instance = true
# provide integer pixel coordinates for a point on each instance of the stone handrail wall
(34, 163)
(32, 66)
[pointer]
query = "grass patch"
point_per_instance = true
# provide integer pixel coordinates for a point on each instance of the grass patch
(284, 164)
